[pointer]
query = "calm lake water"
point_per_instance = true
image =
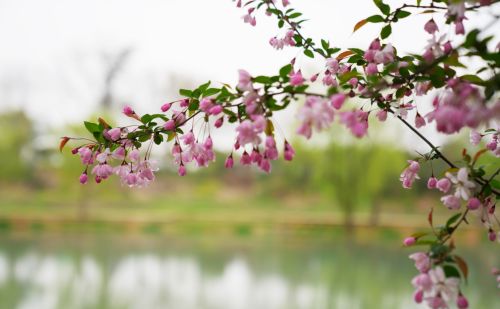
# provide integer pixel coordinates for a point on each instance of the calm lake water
(96, 271)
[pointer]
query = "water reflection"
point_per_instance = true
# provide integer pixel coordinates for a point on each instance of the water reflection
(51, 279)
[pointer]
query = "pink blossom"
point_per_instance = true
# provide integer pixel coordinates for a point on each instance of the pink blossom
(265, 165)
(165, 107)
(422, 261)
(316, 113)
(431, 26)
(418, 296)
(255, 156)
(409, 241)
(432, 182)
(462, 302)
(114, 134)
(459, 28)
(134, 155)
(385, 56)
(169, 125)
(451, 201)
(83, 178)
(179, 117)
(419, 121)
(245, 81)
(245, 159)
(86, 155)
(184, 103)
(229, 161)
(356, 121)
(271, 152)
(492, 236)
(182, 170)
(248, 132)
(215, 110)
(296, 78)
(422, 88)
(332, 65)
(119, 153)
(475, 137)
(102, 170)
(219, 122)
(329, 80)
(436, 302)
(409, 175)
(337, 100)
(249, 19)
(128, 111)
(382, 115)
(443, 185)
(371, 69)
(422, 282)
(289, 152)
(462, 184)
(473, 203)
(443, 286)
(206, 104)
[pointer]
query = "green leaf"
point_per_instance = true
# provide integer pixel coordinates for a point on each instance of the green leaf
(451, 271)
(186, 93)
(284, 71)
(92, 127)
(309, 53)
(194, 105)
(262, 79)
(473, 79)
(386, 32)
(453, 219)
(210, 92)
(375, 19)
(325, 44)
(402, 14)
(295, 15)
(384, 8)
(158, 138)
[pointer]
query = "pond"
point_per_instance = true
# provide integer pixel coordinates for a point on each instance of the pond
(155, 271)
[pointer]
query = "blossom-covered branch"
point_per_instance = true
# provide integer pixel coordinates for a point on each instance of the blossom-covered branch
(381, 83)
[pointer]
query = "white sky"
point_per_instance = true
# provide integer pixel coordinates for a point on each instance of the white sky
(52, 51)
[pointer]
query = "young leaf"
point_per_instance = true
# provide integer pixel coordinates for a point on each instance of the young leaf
(344, 54)
(64, 141)
(359, 24)
(462, 265)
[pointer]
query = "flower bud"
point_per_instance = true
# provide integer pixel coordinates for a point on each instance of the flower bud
(165, 107)
(462, 302)
(431, 183)
(473, 203)
(409, 241)
(83, 178)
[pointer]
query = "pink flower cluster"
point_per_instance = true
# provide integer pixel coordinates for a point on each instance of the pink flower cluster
(461, 105)
(432, 286)
(409, 175)
(287, 40)
(132, 171)
(378, 54)
(316, 113)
